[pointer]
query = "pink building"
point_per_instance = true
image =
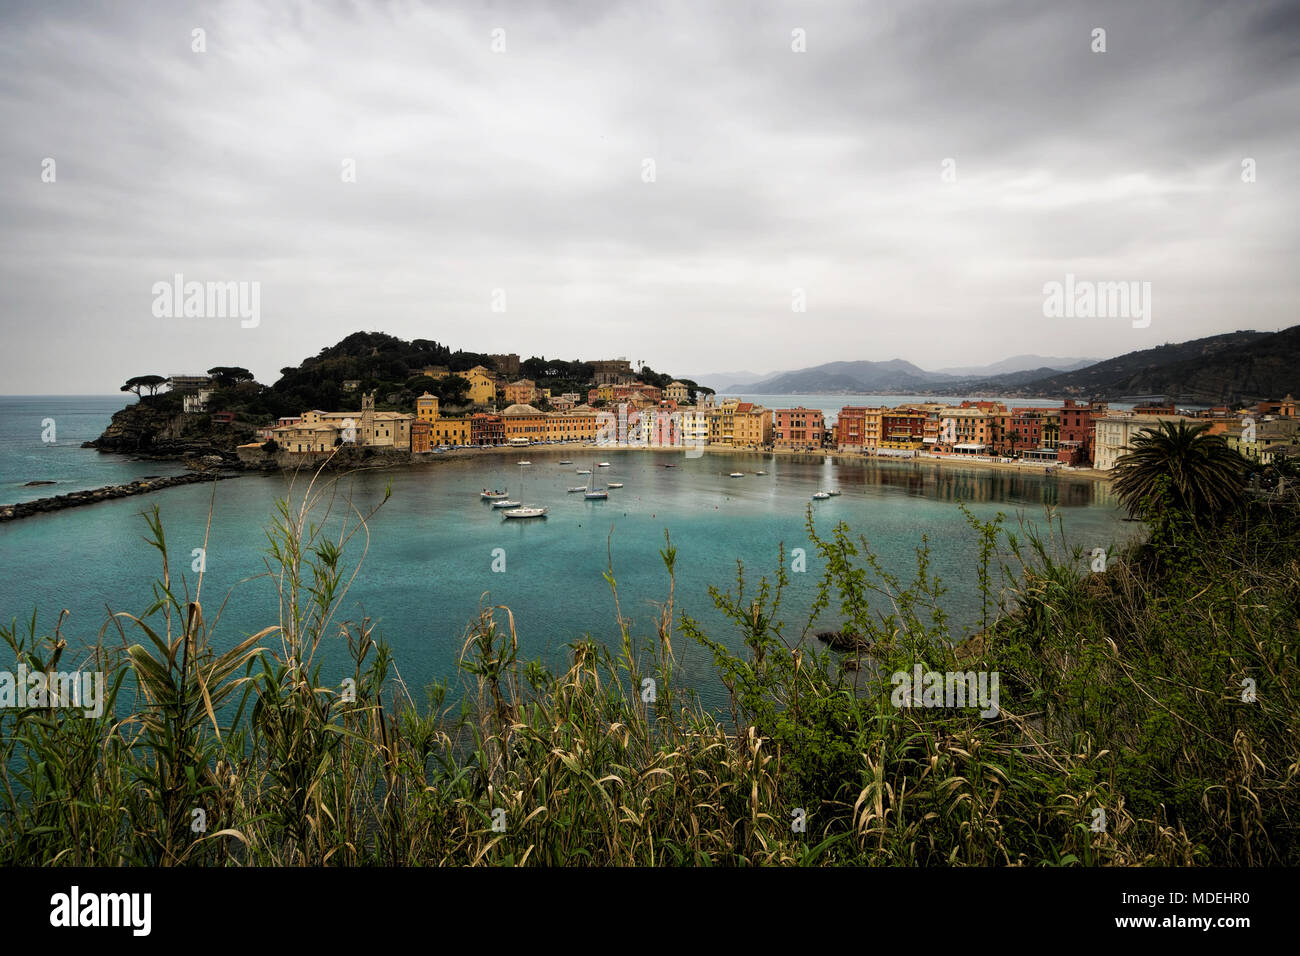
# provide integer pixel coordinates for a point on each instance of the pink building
(798, 429)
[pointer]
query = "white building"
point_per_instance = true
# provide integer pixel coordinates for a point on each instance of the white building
(1116, 431)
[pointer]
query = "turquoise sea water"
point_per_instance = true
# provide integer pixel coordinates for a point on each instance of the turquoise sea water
(433, 544)
(25, 454)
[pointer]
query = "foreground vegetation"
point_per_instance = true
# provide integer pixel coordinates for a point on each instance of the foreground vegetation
(1149, 715)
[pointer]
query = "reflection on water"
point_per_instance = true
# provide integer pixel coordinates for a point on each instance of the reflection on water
(944, 482)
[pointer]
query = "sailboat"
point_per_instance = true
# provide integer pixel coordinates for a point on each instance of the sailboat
(522, 511)
(594, 494)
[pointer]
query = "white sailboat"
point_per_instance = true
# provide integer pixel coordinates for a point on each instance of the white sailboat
(524, 511)
(594, 494)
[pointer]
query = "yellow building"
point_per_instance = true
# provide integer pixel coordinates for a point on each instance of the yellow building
(722, 422)
(450, 431)
(751, 425)
(522, 392)
(426, 408)
(677, 391)
(569, 426)
(482, 382)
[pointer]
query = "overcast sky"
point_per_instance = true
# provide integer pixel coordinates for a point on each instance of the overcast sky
(523, 170)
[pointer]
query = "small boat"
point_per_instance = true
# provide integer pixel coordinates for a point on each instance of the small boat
(594, 494)
(506, 504)
(833, 494)
(760, 473)
(523, 463)
(493, 495)
(670, 466)
(584, 471)
(566, 461)
(820, 496)
(613, 484)
(737, 474)
(577, 488)
(603, 464)
(525, 513)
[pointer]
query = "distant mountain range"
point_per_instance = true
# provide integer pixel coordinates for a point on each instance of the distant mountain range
(1019, 363)
(1235, 366)
(898, 376)
(856, 373)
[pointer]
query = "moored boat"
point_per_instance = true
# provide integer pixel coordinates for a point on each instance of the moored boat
(506, 503)
(493, 495)
(613, 484)
(525, 513)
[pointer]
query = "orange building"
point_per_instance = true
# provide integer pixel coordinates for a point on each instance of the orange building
(751, 425)
(421, 436)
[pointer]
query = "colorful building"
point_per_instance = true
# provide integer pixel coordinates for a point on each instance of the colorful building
(1113, 434)
(426, 408)
(1074, 444)
(522, 392)
(851, 428)
(320, 431)
(421, 436)
(751, 426)
(451, 431)
(798, 429)
(485, 429)
(902, 430)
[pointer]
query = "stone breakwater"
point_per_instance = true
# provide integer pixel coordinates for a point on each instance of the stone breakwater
(74, 499)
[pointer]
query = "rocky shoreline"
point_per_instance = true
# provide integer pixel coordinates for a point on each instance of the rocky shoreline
(74, 499)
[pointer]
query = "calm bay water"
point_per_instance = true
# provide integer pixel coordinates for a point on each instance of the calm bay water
(25, 455)
(432, 546)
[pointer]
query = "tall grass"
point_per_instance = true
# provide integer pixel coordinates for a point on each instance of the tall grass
(1121, 692)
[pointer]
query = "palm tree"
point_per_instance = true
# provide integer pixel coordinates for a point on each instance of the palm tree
(1201, 474)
